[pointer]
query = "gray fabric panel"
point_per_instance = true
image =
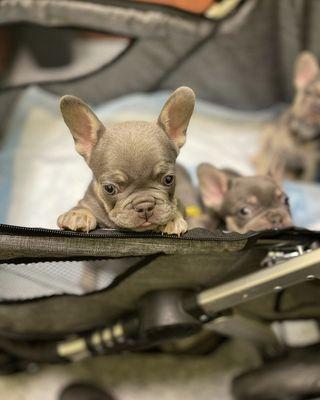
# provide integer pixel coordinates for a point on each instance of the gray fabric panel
(12, 247)
(118, 20)
(248, 64)
(291, 29)
(237, 68)
(251, 67)
(136, 70)
(163, 39)
(49, 316)
(312, 27)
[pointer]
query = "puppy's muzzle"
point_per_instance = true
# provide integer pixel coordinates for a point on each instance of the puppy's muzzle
(144, 208)
(277, 219)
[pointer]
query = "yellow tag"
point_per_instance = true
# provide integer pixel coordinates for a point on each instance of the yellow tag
(193, 211)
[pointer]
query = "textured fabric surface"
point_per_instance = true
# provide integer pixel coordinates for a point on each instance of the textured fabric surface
(15, 247)
(161, 39)
(247, 63)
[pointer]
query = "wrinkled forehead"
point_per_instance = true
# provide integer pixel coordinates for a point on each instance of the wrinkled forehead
(141, 167)
(256, 190)
(136, 148)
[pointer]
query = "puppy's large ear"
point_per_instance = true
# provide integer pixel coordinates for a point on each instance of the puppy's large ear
(213, 185)
(83, 124)
(306, 69)
(176, 113)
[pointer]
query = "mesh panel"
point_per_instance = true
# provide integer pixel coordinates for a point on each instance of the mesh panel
(22, 282)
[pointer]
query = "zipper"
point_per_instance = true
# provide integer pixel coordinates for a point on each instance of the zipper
(113, 233)
(200, 234)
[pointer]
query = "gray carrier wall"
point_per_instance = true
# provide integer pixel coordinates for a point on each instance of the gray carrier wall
(244, 61)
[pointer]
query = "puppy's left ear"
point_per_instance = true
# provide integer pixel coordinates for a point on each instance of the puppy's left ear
(176, 113)
(306, 69)
(214, 184)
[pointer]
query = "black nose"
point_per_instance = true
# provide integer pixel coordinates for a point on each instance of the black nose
(275, 218)
(144, 209)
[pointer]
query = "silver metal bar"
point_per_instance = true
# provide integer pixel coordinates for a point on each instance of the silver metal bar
(257, 284)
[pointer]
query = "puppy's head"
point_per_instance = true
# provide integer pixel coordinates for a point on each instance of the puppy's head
(305, 121)
(244, 204)
(133, 163)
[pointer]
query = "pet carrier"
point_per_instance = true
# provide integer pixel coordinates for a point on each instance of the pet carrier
(149, 287)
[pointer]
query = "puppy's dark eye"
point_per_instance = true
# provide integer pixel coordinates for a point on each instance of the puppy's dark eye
(286, 200)
(168, 180)
(245, 212)
(309, 92)
(110, 189)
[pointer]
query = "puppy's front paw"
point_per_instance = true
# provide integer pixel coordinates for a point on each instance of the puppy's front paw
(79, 219)
(177, 226)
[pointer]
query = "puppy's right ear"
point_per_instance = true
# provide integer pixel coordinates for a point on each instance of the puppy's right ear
(176, 113)
(83, 124)
(306, 69)
(213, 185)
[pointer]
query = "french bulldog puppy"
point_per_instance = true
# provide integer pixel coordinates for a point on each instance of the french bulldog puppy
(243, 203)
(133, 166)
(295, 135)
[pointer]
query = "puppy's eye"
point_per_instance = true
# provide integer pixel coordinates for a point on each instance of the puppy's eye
(286, 200)
(245, 212)
(110, 189)
(168, 180)
(309, 92)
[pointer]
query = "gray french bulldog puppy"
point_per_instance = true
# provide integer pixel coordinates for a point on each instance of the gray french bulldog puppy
(133, 166)
(294, 137)
(244, 203)
(227, 200)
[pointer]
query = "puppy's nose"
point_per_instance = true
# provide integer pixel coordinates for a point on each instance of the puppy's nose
(145, 209)
(275, 218)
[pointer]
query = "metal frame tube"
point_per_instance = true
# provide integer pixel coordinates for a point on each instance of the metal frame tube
(257, 284)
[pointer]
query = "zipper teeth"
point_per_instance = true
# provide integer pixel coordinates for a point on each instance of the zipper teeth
(4, 228)
(229, 237)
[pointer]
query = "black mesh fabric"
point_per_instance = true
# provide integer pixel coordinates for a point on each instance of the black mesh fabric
(23, 282)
